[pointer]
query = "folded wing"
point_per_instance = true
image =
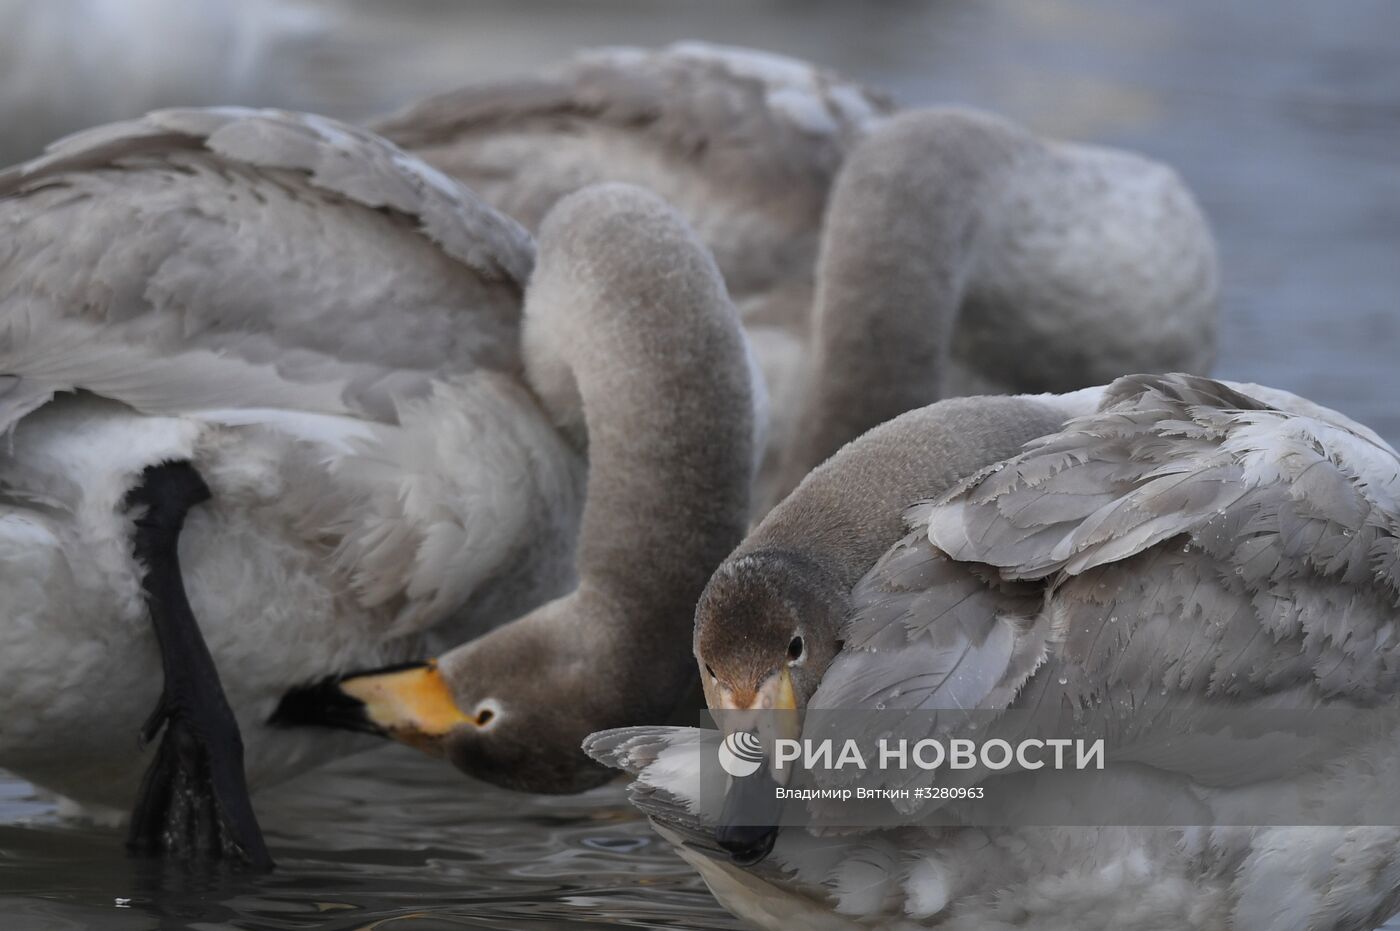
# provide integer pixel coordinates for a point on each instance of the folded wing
(1186, 549)
(209, 259)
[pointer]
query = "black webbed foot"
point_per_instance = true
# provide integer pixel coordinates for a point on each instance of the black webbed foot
(193, 804)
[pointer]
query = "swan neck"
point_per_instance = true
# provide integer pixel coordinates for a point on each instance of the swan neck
(898, 252)
(658, 380)
(850, 510)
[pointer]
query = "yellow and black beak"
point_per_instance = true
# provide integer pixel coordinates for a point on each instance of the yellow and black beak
(410, 703)
(747, 826)
(769, 710)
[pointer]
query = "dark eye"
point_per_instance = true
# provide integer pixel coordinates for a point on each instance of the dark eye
(484, 716)
(710, 672)
(796, 649)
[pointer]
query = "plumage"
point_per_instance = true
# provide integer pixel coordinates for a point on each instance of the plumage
(657, 372)
(214, 287)
(744, 143)
(880, 260)
(1154, 571)
(338, 338)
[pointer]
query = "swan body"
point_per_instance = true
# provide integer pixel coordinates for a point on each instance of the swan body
(329, 330)
(1198, 545)
(390, 397)
(744, 143)
(880, 260)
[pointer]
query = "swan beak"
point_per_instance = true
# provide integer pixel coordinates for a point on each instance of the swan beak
(779, 695)
(748, 824)
(411, 704)
(776, 694)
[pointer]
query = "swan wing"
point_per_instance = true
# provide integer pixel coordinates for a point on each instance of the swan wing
(234, 258)
(1188, 549)
(810, 880)
(745, 143)
(666, 763)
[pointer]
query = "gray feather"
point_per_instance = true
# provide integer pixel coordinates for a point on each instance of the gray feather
(1186, 548)
(244, 258)
(746, 143)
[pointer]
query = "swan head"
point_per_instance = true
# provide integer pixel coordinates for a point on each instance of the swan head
(514, 706)
(767, 626)
(544, 694)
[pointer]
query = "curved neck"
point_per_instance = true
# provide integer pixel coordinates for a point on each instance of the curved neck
(629, 327)
(898, 249)
(851, 509)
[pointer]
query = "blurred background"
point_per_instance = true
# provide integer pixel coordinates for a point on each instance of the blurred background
(1282, 115)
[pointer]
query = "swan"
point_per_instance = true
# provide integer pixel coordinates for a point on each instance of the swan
(1165, 545)
(278, 399)
(880, 261)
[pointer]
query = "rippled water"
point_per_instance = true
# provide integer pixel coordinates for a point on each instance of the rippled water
(1284, 116)
(382, 840)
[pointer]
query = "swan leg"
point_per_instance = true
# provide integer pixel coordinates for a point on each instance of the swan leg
(193, 804)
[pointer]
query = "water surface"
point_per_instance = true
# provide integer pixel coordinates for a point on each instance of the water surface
(384, 840)
(1283, 115)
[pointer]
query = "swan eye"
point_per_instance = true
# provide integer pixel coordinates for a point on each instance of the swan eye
(485, 714)
(796, 649)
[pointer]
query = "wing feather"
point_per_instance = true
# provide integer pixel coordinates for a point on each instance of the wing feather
(745, 143)
(231, 258)
(1186, 547)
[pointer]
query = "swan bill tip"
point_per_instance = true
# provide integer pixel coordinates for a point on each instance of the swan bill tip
(409, 702)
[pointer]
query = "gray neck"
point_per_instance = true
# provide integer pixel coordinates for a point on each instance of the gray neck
(850, 510)
(897, 252)
(629, 326)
